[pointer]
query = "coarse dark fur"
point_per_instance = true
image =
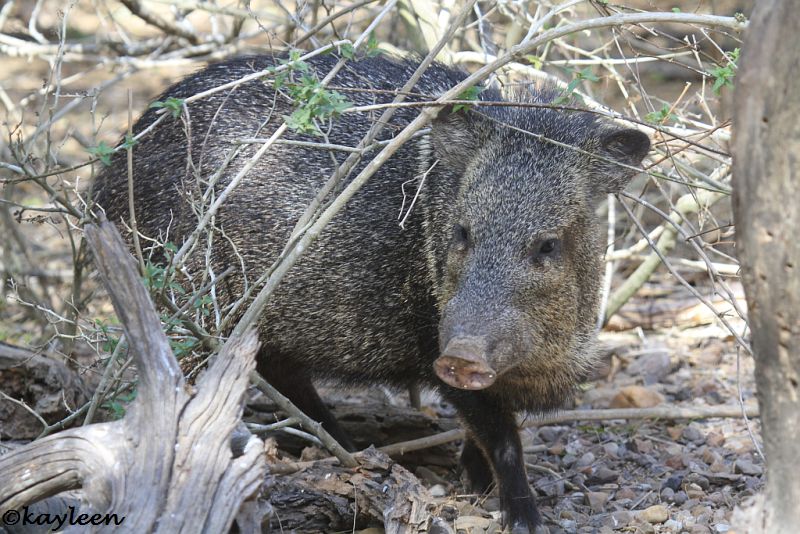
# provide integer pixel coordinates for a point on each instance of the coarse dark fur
(501, 247)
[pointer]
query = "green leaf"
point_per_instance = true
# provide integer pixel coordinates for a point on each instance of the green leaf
(371, 49)
(661, 116)
(587, 74)
(130, 141)
(535, 61)
(174, 105)
(347, 51)
(470, 93)
(723, 76)
(102, 151)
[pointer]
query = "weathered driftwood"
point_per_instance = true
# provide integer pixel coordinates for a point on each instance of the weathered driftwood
(326, 498)
(46, 386)
(167, 466)
(766, 175)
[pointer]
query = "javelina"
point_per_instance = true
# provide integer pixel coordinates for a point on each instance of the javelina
(489, 291)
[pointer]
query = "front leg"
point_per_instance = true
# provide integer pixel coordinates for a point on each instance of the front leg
(493, 429)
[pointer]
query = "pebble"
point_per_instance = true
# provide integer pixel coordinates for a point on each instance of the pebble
(715, 439)
(550, 433)
(586, 460)
(597, 500)
(667, 494)
(680, 497)
(693, 434)
(621, 518)
(651, 366)
(603, 475)
(746, 467)
(611, 449)
(625, 493)
(438, 490)
(694, 491)
(568, 525)
(655, 514)
(695, 478)
(674, 482)
(636, 397)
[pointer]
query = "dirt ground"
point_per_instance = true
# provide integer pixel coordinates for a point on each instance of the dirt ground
(636, 476)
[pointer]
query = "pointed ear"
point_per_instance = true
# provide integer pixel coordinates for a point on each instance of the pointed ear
(457, 136)
(624, 145)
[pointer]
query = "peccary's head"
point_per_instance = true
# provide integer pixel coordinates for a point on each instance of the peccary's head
(520, 261)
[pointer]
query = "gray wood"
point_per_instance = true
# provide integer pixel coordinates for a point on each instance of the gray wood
(167, 466)
(766, 150)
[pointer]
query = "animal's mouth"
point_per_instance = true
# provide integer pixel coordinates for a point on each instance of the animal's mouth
(463, 374)
(463, 365)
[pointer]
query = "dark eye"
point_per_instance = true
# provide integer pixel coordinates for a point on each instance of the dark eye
(546, 248)
(460, 237)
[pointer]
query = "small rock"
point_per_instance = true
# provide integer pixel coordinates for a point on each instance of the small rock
(674, 462)
(625, 493)
(472, 523)
(674, 432)
(568, 525)
(655, 514)
(439, 526)
(636, 397)
(680, 497)
(746, 467)
(621, 518)
(597, 500)
(719, 467)
(700, 529)
(674, 482)
(438, 490)
(651, 366)
(549, 434)
(695, 478)
(673, 526)
(694, 491)
(722, 527)
(693, 434)
(611, 449)
(710, 456)
(586, 460)
(667, 494)
(715, 439)
(603, 475)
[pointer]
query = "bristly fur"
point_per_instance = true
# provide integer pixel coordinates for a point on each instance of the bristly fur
(371, 302)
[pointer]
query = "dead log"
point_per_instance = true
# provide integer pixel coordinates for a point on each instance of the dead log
(46, 386)
(326, 498)
(766, 179)
(167, 466)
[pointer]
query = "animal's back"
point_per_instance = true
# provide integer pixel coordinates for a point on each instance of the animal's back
(358, 305)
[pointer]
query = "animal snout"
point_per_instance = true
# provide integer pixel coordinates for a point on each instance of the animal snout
(463, 364)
